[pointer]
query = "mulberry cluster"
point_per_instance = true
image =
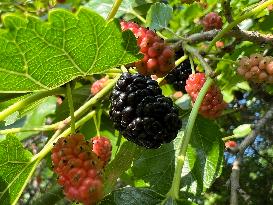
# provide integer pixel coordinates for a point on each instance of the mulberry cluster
(212, 104)
(178, 76)
(103, 148)
(212, 21)
(141, 113)
(257, 68)
(158, 57)
(98, 85)
(78, 169)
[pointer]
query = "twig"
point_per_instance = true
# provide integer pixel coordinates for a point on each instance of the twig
(227, 10)
(194, 52)
(252, 36)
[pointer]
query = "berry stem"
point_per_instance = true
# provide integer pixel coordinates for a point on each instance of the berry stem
(232, 137)
(95, 118)
(195, 53)
(237, 21)
(71, 107)
(138, 16)
(192, 65)
(28, 100)
(114, 9)
(181, 60)
(174, 191)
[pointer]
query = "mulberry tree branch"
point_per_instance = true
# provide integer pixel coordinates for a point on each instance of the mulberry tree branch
(235, 174)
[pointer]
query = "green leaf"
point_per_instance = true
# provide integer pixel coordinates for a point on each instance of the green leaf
(242, 130)
(156, 167)
(159, 16)
(204, 157)
(37, 117)
(132, 196)
(16, 169)
(128, 152)
(36, 55)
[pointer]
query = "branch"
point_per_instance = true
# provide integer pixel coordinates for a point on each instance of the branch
(238, 20)
(234, 177)
(253, 36)
(227, 10)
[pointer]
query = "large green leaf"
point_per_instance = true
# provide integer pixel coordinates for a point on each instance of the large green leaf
(156, 167)
(159, 16)
(36, 55)
(204, 157)
(16, 168)
(132, 196)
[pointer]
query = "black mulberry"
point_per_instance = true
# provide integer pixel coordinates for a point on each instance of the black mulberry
(178, 76)
(141, 113)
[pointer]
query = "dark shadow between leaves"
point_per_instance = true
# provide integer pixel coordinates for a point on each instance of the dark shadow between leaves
(5, 198)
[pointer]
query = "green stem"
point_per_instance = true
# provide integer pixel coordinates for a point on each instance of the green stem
(20, 129)
(237, 21)
(96, 125)
(114, 10)
(195, 53)
(232, 137)
(97, 97)
(138, 16)
(57, 136)
(174, 191)
(71, 107)
(27, 101)
(181, 60)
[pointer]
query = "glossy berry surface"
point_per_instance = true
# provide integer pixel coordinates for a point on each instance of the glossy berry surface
(212, 104)
(178, 76)
(102, 148)
(78, 169)
(141, 113)
(212, 21)
(256, 68)
(158, 57)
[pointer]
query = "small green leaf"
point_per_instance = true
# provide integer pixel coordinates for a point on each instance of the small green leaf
(16, 169)
(204, 157)
(37, 117)
(159, 16)
(132, 196)
(242, 130)
(36, 55)
(184, 102)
